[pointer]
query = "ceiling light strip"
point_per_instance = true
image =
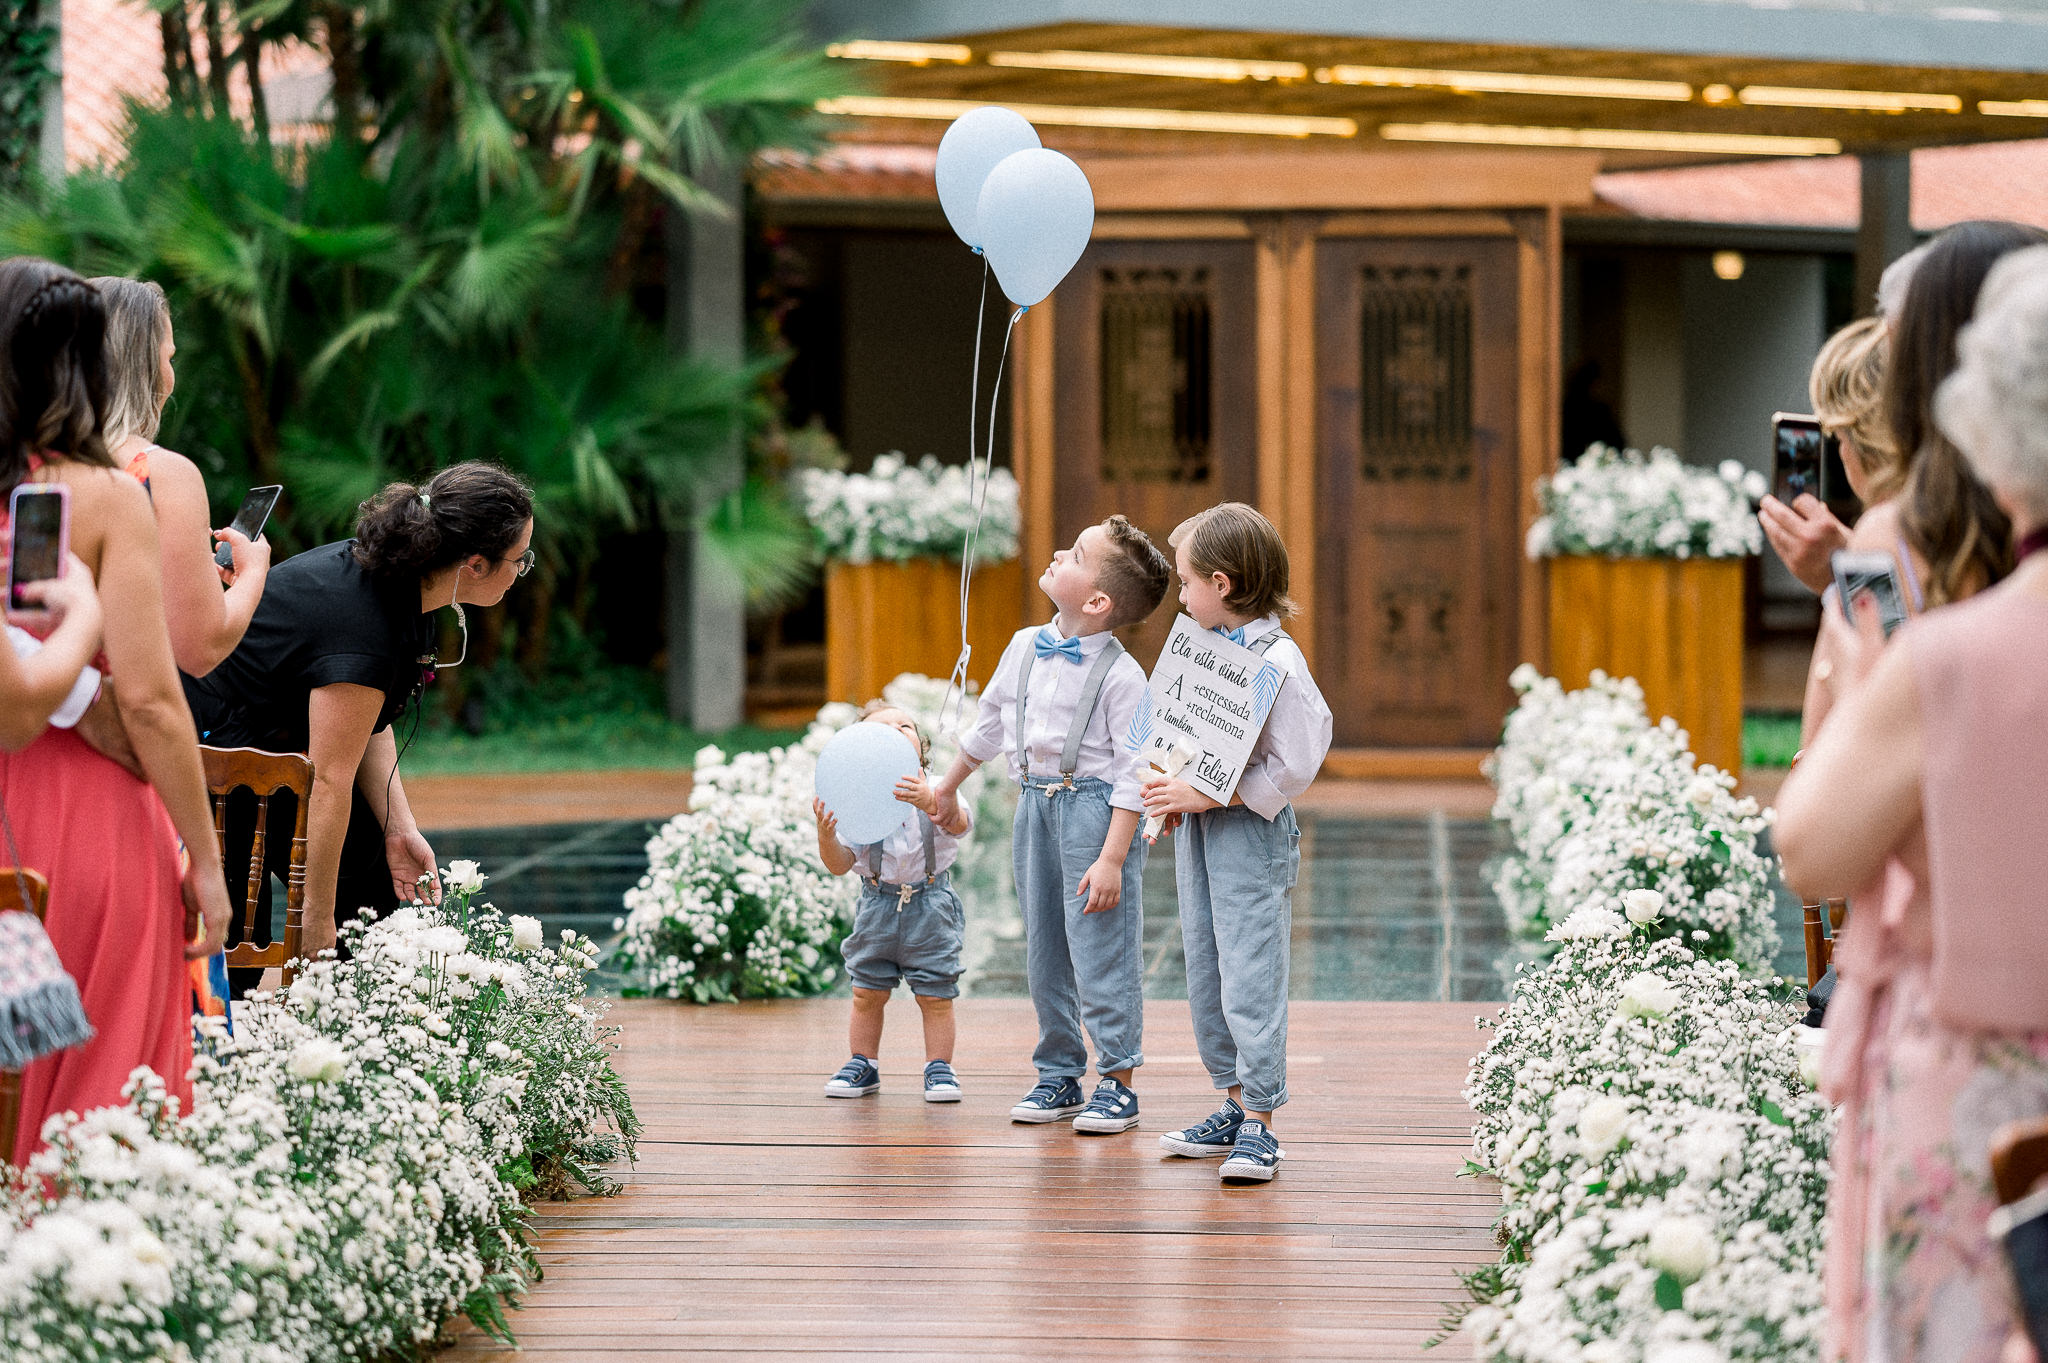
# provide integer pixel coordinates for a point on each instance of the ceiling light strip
(2013, 108)
(1090, 116)
(1506, 83)
(1870, 101)
(1611, 139)
(1153, 64)
(871, 50)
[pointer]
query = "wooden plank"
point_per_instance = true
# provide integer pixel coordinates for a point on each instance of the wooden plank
(1268, 180)
(765, 1220)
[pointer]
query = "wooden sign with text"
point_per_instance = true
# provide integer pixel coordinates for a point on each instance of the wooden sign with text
(1209, 698)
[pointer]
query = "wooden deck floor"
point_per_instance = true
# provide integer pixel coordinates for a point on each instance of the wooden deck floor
(767, 1221)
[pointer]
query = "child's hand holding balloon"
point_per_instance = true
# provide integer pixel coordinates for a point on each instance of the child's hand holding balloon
(916, 791)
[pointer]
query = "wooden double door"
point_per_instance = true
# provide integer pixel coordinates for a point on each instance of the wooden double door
(1365, 391)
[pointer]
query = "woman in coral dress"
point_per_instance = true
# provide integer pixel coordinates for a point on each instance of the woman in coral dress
(123, 914)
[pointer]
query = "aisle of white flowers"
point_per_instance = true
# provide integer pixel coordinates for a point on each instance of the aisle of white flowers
(1661, 1153)
(355, 1167)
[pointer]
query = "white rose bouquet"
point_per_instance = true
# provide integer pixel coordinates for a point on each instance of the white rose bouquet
(900, 510)
(1620, 504)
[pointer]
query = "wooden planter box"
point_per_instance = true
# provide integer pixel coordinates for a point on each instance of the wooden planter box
(882, 619)
(1675, 625)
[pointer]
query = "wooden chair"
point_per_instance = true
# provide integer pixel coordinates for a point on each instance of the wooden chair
(263, 774)
(12, 881)
(2019, 1157)
(1821, 934)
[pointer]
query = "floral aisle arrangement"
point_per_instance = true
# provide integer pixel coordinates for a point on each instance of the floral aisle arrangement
(900, 510)
(735, 903)
(1623, 504)
(1662, 1160)
(1606, 808)
(351, 1174)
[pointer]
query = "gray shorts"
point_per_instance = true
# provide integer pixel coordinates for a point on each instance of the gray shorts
(918, 943)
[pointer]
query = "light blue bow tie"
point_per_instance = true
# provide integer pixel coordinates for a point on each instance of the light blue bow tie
(1046, 646)
(1236, 636)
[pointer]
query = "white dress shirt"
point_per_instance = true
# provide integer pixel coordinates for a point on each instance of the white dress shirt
(902, 859)
(1296, 739)
(1055, 691)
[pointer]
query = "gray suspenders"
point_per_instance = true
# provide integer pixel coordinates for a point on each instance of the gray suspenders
(1084, 710)
(931, 858)
(1262, 645)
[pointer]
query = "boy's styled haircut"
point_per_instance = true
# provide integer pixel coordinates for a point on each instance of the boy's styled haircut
(1134, 576)
(1235, 540)
(924, 740)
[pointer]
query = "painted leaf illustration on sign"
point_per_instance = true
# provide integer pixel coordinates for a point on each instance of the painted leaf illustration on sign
(1141, 724)
(1265, 687)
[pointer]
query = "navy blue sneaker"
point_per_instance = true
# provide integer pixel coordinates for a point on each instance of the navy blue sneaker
(940, 1084)
(1050, 1101)
(1114, 1108)
(1211, 1139)
(857, 1078)
(1256, 1156)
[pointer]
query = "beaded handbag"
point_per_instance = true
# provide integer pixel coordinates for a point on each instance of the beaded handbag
(40, 1011)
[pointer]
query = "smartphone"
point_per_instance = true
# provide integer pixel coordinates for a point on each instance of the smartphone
(2022, 1228)
(1873, 575)
(249, 520)
(1799, 457)
(40, 515)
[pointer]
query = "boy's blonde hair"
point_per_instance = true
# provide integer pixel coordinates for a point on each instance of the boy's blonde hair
(1235, 540)
(1135, 576)
(924, 742)
(1847, 386)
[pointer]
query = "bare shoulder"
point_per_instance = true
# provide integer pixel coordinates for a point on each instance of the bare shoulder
(1877, 529)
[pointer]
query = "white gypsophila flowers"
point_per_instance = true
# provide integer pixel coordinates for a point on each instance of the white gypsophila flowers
(900, 510)
(1663, 1170)
(1607, 808)
(349, 1177)
(735, 902)
(1619, 503)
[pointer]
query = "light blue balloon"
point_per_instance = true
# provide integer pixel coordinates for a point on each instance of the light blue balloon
(857, 776)
(1036, 213)
(973, 146)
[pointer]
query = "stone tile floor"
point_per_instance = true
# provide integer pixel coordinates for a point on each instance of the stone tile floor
(1387, 908)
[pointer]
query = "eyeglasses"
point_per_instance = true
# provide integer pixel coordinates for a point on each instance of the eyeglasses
(525, 562)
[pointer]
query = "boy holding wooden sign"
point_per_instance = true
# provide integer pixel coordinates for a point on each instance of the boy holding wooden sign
(1059, 704)
(1233, 686)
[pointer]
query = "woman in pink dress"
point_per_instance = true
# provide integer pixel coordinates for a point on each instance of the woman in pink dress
(1928, 777)
(122, 913)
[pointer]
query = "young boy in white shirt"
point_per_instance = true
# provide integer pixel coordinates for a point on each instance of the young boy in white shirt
(1060, 704)
(1235, 864)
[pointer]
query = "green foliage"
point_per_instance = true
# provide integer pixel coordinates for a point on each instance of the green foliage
(454, 283)
(1769, 740)
(26, 40)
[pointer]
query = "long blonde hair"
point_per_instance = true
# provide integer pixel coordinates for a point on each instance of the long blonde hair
(138, 318)
(1847, 386)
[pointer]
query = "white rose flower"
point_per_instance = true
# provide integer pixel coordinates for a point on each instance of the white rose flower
(1703, 791)
(1602, 1124)
(1682, 1246)
(1643, 906)
(1684, 1351)
(319, 1060)
(527, 933)
(1646, 994)
(462, 877)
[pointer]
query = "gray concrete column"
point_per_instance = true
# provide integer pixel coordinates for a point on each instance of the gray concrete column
(707, 641)
(1884, 230)
(50, 155)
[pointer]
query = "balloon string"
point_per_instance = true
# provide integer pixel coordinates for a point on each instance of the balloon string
(956, 692)
(950, 712)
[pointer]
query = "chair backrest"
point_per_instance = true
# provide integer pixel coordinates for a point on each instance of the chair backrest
(12, 881)
(263, 774)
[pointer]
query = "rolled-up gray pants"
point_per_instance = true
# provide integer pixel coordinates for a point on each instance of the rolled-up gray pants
(1235, 871)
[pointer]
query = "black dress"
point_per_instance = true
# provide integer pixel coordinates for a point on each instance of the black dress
(322, 620)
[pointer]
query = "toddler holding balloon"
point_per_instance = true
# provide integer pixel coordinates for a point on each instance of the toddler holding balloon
(908, 924)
